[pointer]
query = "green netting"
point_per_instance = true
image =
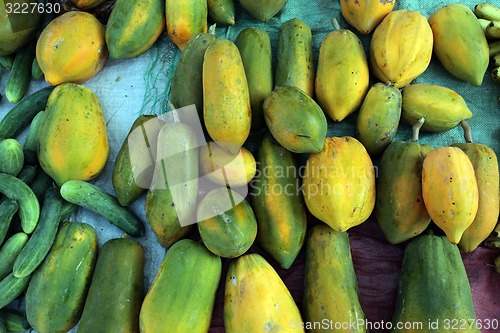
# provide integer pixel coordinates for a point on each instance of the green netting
(483, 101)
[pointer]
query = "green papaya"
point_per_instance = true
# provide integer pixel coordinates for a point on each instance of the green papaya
(16, 29)
(221, 11)
(263, 10)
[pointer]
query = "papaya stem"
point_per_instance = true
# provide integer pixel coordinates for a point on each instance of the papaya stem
(416, 129)
(335, 23)
(211, 29)
(467, 131)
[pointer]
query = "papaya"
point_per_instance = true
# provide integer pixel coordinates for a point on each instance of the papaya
(450, 190)
(227, 223)
(460, 43)
(441, 107)
(365, 15)
(255, 48)
(295, 120)
(131, 179)
(433, 266)
(185, 19)
(133, 27)
(401, 47)
(278, 202)
(257, 300)
(339, 183)
(58, 288)
(263, 10)
(87, 4)
(226, 99)
(73, 137)
(399, 208)
(182, 296)
(342, 78)
(295, 59)
(379, 117)
(485, 163)
(221, 11)
(16, 30)
(330, 286)
(72, 48)
(222, 168)
(171, 200)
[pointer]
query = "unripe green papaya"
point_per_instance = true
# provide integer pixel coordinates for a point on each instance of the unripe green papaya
(378, 117)
(221, 11)
(263, 10)
(295, 120)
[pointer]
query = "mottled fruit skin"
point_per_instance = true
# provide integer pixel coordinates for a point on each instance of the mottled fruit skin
(13, 39)
(433, 288)
(185, 19)
(73, 140)
(263, 10)
(485, 163)
(401, 47)
(441, 107)
(342, 78)
(378, 117)
(330, 286)
(257, 300)
(221, 11)
(460, 43)
(399, 208)
(295, 120)
(365, 15)
(339, 183)
(450, 190)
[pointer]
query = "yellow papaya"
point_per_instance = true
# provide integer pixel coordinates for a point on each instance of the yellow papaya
(226, 98)
(185, 19)
(87, 4)
(365, 15)
(72, 48)
(342, 78)
(73, 140)
(450, 190)
(441, 107)
(460, 43)
(401, 47)
(257, 300)
(339, 183)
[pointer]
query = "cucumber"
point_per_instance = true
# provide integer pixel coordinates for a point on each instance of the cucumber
(116, 292)
(21, 115)
(11, 288)
(31, 142)
(9, 252)
(29, 208)
(7, 210)
(28, 174)
(40, 242)
(15, 322)
(20, 74)
(11, 157)
(91, 197)
(6, 61)
(3, 325)
(36, 71)
(41, 184)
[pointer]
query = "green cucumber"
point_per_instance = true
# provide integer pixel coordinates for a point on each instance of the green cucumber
(11, 288)
(7, 210)
(20, 74)
(28, 174)
(40, 242)
(36, 71)
(3, 325)
(31, 142)
(9, 252)
(21, 115)
(91, 197)
(29, 208)
(11, 157)
(116, 291)
(6, 61)
(15, 322)
(41, 184)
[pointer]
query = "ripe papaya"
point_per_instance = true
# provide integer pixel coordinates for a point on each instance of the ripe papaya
(365, 15)
(401, 47)
(441, 107)
(450, 190)
(379, 117)
(133, 27)
(257, 300)
(73, 137)
(87, 4)
(226, 99)
(185, 19)
(263, 10)
(278, 203)
(460, 43)
(342, 78)
(339, 183)
(295, 120)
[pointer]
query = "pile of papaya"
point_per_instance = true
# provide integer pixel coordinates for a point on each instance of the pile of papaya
(242, 174)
